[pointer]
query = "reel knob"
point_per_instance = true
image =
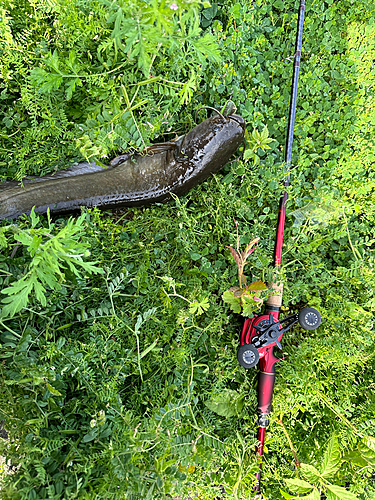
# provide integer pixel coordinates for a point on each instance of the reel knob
(309, 318)
(247, 355)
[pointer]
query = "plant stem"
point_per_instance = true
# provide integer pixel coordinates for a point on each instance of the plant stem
(90, 75)
(296, 461)
(354, 250)
(10, 330)
(176, 295)
(139, 357)
(344, 419)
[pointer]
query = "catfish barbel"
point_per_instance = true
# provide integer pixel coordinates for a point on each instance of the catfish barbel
(131, 179)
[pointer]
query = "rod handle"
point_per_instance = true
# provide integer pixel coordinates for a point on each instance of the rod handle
(266, 382)
(277, 299)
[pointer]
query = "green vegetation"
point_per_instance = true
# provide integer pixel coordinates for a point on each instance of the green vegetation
(124, 383)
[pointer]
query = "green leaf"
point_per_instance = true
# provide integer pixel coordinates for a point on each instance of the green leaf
(207, 46)
(235, 10)
(250, 304)
(40, 292)
(187, 91)
(148, 349)
(18, 297)
(37, 76)
(257, 286)
(341, 493)
(264, 135)
(355, 456)
(369, 441)
(35, 244)
(70, 87)
(256, 136)
(89, 437)
(52, 81)
(364, 455)
(227, 404)
(234, 302)
(3, 239)
(198, 307)
(314, 495)
(286, 495)
(208, 13)
(330, 495)
(23, 238)
(195, 256)
(331, 460)
(249, 153)
(34, 218)
(53, 60)
(7, 337)
(310, 472)
(52, 390)
(138, 323)
(144, 59)
(367, 452)
(51, 255)
(298, 485)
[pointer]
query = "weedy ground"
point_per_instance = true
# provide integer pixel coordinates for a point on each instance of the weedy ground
(124, 384)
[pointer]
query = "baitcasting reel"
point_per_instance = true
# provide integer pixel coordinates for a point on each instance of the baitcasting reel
(262, 332)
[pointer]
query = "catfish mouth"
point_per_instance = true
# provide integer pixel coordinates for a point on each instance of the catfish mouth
(207, 148)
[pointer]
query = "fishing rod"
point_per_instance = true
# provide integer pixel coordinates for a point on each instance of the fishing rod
(263, 332)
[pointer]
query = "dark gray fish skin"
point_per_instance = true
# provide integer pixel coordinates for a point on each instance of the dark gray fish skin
(135, 180)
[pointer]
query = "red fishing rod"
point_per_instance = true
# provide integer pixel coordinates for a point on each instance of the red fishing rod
(262, 333)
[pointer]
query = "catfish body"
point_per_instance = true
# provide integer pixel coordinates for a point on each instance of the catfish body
(135, 180)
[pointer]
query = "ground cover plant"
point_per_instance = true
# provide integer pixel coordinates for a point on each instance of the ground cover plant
(124, 383)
